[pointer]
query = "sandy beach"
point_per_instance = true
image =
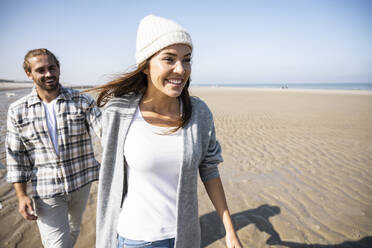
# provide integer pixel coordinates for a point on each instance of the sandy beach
(297, 171)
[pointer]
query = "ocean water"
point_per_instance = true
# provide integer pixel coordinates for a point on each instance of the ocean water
(305, 86)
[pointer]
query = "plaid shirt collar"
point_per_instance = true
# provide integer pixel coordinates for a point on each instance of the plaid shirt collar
(34, 98)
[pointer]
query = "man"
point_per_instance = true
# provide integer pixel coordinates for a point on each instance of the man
(48, 142)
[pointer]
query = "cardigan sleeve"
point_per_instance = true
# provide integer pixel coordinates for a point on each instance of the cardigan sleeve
(208, 167)
(93, 115)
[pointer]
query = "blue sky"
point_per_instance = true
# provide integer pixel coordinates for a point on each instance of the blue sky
(277, 41)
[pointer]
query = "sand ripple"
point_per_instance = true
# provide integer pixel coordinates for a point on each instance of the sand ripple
(303, 157)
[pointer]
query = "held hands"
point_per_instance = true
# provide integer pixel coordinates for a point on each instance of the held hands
(25, 208)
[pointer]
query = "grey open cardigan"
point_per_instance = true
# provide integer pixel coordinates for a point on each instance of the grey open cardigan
(202, 153)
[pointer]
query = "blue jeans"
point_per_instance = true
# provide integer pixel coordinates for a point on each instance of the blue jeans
(129, 243)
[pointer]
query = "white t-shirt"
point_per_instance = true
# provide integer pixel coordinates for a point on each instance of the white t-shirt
(154, 160)
(52, 122)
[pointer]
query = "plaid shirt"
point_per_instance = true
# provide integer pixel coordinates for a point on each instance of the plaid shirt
(30, 151)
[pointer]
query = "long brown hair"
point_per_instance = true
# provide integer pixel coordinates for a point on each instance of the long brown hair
(136, 82)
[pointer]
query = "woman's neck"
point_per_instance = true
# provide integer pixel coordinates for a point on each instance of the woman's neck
(160, 104)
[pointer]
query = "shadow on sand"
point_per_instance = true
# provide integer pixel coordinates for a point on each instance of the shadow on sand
(213, 230)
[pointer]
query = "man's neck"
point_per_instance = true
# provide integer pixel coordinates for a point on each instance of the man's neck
(47, 96)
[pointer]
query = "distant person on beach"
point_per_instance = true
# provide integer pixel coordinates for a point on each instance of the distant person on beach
(155, 141)
(48, 143)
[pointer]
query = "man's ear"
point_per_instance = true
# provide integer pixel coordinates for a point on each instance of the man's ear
(29, 75)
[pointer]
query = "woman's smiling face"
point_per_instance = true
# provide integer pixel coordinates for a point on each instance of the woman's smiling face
(169, 70)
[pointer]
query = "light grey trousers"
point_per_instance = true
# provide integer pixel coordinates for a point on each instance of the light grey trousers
(59, 218)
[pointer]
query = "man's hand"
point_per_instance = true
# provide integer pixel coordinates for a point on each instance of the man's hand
(25, 208)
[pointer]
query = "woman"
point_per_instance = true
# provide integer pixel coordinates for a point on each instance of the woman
(155, 140)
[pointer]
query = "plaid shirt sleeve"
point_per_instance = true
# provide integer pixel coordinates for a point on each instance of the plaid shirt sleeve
(93, 117)
(19, 168)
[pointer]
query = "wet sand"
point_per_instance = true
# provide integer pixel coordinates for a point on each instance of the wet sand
(297, 171)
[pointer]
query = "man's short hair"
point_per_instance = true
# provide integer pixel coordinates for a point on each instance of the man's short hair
(34, 53)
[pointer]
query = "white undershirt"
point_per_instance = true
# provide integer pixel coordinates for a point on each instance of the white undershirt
(51, 122)
(154, 160)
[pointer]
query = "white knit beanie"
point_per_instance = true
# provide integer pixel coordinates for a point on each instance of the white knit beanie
(155, 33)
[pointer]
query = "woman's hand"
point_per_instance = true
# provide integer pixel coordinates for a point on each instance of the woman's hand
(232, 240)
(217, 195)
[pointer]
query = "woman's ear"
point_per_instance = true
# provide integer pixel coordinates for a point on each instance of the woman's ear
(146, 69)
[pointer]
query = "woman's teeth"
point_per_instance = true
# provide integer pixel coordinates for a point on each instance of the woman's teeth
(175, 81)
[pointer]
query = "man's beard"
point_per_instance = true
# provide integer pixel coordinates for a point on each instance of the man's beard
(47, 86)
